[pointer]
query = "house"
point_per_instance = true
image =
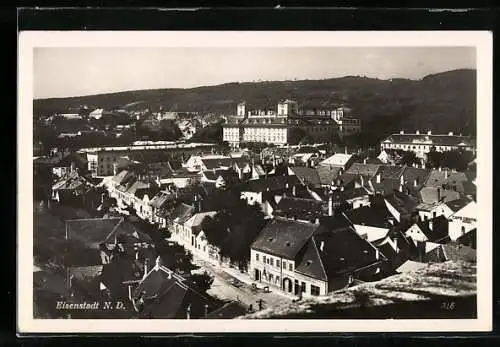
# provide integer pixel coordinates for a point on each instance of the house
(311, 259)
(422, 143)
(457, 181)
(192, 238)
(327, 174)
(70, 188)
(371, 222)
(95, 233)
(401, 205)
(367, 170)
(356, 196)
(429, 195)
(162, 294)
(339, 160)
(252, 191)
(432, 210)
(463, 220)
(432, 230)
(306, 175)
(67, 165)
(436, 178)
(469, 239)
(177, 219)
(300, 209)
(159, 204)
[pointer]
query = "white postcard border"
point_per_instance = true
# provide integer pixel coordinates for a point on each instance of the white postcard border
(482, 40)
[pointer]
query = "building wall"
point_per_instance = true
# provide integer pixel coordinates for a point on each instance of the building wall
(439, 210)
(416, 234)
(275, 135)
(459, 226)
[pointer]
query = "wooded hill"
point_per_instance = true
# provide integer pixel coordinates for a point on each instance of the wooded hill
(442, 102)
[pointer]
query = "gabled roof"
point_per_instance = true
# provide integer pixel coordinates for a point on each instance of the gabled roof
(182, 213)
(167, 296)
(284, 237)
(327, 174)
(274, 183)
(307, 175)
(161, 198)
(349, 194)
(439, 232)
(436, 178)
(195, 221)
(403, 203)
(430, 195)
(69, 182)
(374, 216)
(122, 176)
(369, 170)
(310, 263)
(304, 209)
(343, 251)
(92, 231)
(458, 204)
(338, 159)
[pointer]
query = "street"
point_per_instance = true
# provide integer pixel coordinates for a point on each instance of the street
(229, 287)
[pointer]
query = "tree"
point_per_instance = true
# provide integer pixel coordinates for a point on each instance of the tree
(296, 135)
(203, 281)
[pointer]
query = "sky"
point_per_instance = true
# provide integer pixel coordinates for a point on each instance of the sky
(77, 71)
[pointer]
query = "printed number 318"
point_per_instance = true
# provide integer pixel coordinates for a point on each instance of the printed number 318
(448, 305)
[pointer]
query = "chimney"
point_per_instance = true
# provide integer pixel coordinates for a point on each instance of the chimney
(316, 221)
(322, 246)
(294, 190)
(378, 178)
(417, 132)
(188, 311)
(439, 194)
(206, 310)
(330, 204)
(429, 132)
(450, 133)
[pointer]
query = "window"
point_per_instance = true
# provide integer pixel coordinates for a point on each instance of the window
(264, 258)
(278, 263)
(303, 287)
(290, 267)
(271, 277)
(463, 230)
(272, 261)
(314, 290)
(284, 265)
(257, 256)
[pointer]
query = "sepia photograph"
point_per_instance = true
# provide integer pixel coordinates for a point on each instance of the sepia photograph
(269, 181)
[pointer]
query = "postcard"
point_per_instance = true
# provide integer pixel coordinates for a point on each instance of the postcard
(231, 181)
